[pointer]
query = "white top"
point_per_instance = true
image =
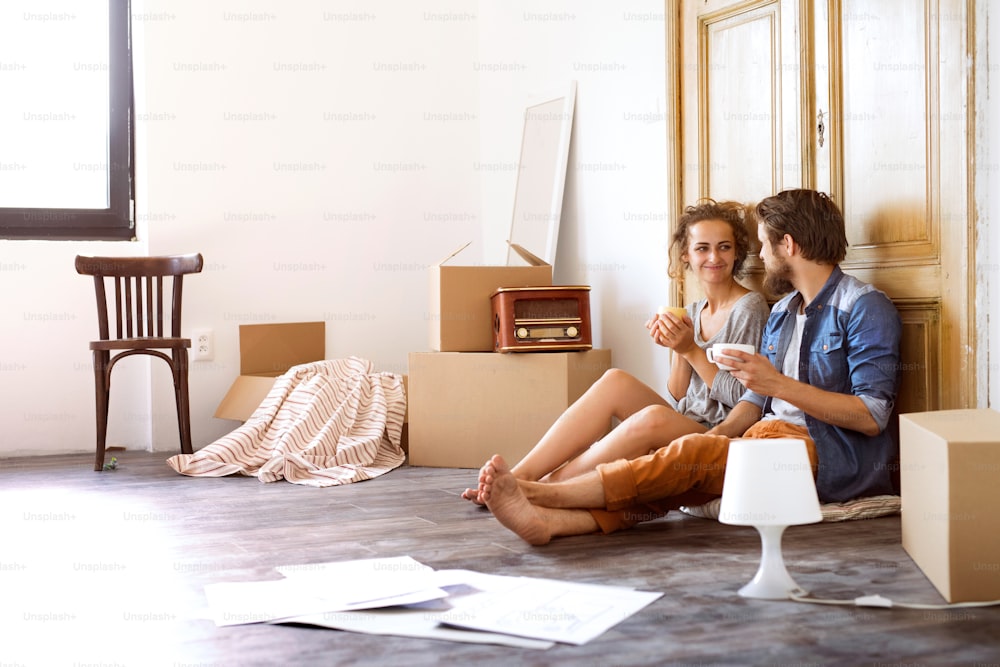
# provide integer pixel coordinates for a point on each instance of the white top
(784, 410)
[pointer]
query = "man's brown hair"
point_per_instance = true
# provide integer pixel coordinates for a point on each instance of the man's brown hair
(809, 217)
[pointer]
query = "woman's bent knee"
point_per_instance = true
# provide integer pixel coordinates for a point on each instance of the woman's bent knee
(655, 422)
(617, 378)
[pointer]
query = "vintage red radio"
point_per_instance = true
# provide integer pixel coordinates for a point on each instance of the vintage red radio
(532, 319)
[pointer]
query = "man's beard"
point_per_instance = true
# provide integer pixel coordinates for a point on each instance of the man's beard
(776, 280)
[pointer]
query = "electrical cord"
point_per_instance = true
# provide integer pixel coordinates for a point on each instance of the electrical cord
(799, 595)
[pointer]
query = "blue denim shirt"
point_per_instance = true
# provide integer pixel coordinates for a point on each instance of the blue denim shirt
(850, 345)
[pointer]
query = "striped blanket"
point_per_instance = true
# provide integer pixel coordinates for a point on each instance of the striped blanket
(322, 424)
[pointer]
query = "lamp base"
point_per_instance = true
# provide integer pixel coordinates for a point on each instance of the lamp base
(772, 581)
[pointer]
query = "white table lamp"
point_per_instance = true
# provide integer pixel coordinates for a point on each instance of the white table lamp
(769, 485)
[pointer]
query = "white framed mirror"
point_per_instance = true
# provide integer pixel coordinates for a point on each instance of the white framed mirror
(541, 178)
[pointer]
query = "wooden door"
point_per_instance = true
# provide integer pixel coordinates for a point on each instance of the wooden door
(866, 101)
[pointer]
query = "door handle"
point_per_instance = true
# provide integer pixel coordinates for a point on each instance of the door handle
(820, 128)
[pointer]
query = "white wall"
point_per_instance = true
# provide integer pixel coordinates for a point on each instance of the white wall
(46, 374)
(614, 227)
(311, 152)
(321, 155)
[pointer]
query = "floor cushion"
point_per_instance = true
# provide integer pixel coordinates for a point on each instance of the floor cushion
(859, 508)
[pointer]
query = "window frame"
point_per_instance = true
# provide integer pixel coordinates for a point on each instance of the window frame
(117, 221)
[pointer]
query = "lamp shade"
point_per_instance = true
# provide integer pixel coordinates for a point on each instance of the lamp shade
(769, 482)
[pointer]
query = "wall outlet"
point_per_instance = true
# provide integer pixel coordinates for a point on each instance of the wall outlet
(203, 345)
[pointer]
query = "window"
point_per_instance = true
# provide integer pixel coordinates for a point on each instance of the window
(66, 135)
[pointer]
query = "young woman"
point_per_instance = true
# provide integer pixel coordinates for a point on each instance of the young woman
(712, 242)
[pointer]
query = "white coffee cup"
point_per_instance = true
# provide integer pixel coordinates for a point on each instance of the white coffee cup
(715, 355)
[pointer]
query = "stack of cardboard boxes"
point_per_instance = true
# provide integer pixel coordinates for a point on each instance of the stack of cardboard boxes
(467, 402)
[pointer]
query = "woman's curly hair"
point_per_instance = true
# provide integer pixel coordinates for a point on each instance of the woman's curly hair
(733, 213)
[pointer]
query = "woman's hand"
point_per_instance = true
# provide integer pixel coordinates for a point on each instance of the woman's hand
(672, 332)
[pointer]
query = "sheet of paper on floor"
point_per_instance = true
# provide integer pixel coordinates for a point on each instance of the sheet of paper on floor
(364, 581)
(400, 596)
(411, 622)
(503, 608)
(428, 619)
(308, 589)
(561, 611)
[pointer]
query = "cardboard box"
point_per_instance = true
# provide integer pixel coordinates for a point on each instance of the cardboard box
(466, 406)
(949, 467)
(267, 351)
(459, 311)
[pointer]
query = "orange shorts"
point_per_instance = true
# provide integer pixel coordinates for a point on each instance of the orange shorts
(687, 472)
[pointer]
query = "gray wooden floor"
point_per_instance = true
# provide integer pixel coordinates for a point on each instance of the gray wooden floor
(109, 568)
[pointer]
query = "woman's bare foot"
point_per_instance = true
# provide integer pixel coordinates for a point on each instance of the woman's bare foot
(501, 492)
(476, 495)
(472, 495)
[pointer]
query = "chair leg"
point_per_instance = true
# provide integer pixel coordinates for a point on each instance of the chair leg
(102, 391)
(180, 367)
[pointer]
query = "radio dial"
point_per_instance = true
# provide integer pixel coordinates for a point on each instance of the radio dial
(522, 332)
(572, 332)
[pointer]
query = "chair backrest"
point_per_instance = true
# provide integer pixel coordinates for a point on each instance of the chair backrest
(137, 300)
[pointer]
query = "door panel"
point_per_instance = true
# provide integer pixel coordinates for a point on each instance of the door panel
(883, 130)
(740, 100)
(919, 354)
(740, 103)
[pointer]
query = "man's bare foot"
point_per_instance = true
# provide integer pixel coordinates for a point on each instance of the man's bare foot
(501, 492)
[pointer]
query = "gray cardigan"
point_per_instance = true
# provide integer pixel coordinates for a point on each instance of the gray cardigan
(710, 405)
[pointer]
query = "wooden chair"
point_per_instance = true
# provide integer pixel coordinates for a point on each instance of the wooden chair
(140, 318)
